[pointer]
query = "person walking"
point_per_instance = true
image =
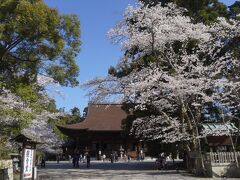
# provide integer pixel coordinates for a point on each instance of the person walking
(115, 157)
(104, 157)
(88, 160)
(128, 157)
(125, 157)
(80, 158)
(74, 160)
(43, 161)
(163, 157)
(112, 157)
(77, 160)
(58, 158)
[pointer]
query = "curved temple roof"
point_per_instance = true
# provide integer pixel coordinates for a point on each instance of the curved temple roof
(100, 117)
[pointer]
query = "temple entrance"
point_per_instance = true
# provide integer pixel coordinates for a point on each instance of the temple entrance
(101, 135)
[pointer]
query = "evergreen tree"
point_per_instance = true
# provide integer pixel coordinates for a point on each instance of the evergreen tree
(75, 116)
(234, 10)
(38, 46)
(36, 39)
(206, 11)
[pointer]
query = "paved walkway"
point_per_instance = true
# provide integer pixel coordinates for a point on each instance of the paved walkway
(106, 170)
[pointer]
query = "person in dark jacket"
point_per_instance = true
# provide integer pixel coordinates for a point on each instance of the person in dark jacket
(88, 160)
(112, 158)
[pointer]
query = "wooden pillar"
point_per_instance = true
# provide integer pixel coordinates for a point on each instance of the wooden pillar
(22, 161)
(34, 162)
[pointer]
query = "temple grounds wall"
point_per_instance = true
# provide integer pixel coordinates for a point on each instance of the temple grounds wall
(6, 169)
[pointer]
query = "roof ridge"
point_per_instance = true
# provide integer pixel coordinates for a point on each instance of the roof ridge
(105, 104)
(101, 117)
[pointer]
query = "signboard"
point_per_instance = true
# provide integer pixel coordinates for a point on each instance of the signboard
(28, 163)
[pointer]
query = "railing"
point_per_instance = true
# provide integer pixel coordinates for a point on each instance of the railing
(224, 157)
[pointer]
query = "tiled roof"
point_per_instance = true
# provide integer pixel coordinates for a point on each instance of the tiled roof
(101, 117)
(23, 137)
(219, 126)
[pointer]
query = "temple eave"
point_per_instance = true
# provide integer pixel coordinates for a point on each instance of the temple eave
(69, 131)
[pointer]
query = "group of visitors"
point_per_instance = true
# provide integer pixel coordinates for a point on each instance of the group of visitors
(161, 161)
(42, 158)
(113, 157)
(76, 158)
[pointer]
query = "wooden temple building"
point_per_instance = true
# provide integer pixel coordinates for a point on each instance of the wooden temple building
(100, 132)
(217, 138)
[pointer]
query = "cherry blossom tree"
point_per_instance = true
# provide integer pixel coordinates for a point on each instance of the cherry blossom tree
(38, 46)
(41, 129)
(174, 67)
(29, 118)
(40, 126)
(13, 109)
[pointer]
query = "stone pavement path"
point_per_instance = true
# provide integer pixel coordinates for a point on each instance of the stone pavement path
(106, 170)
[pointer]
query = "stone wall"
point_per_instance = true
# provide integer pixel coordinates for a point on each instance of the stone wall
(6, 169)
(225, 170)
(222, 164)
(214, 167)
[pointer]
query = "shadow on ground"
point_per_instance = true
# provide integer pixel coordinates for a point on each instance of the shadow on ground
(135, 165)
(107, 170)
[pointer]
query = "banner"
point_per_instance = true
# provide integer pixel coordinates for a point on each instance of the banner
(28, 163)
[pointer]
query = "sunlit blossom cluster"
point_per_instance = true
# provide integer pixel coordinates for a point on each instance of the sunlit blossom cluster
(43, 131)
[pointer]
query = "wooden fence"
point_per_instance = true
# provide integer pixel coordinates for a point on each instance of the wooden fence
(223, 157)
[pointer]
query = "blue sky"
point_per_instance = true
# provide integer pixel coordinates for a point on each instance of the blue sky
(97, 53)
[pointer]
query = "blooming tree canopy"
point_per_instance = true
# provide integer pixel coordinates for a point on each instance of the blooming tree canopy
(30, 118)
(43, 130)
(173, 67)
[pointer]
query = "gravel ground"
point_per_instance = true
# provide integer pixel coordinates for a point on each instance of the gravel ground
(106, 170)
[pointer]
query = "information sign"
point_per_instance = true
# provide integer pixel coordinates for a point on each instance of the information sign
(28, 163)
